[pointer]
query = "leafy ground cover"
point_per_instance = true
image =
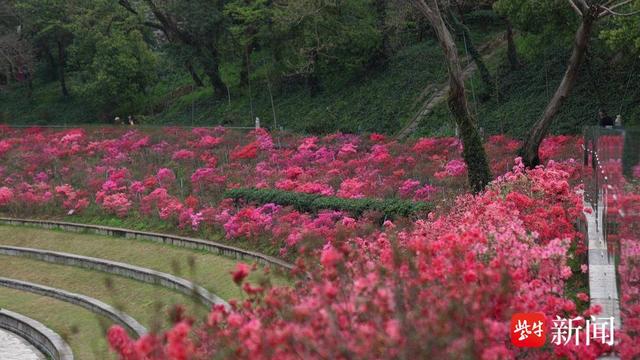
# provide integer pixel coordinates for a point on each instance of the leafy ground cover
(522, 94)
(382, 99)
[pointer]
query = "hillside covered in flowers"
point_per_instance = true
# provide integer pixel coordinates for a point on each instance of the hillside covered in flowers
(442, 282)
(175, 178)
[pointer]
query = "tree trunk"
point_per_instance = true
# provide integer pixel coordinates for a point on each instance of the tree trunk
(530, 148)
(473, 152)
(246, 64)
(512, 54)
(463, 32)
(311, 79)
(53, 74)
(460, 11)
(211, 67)
(194, 75)
(245, 71)
(61, 63)
(383, 53)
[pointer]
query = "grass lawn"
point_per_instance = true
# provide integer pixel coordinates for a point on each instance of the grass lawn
(208, 270)
(83, 330)
(145, 302)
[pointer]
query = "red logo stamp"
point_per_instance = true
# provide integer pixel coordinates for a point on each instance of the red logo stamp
(528, 330)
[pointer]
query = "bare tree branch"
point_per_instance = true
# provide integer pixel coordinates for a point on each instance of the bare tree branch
(609, 10)
(127, 5)
(575, 8)
(618, 4)
(583, 5)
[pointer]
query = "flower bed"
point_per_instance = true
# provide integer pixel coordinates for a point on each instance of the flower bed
(445, 287)
(175, 178)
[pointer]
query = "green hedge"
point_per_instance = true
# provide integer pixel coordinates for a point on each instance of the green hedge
(391, 208)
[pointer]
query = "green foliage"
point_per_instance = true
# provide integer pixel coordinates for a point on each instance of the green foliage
(316, 65)
(327, 36)
(122, 68)
(116, 64)
(622, 33)
(524, 93)
(382, 101)
(390, 208)
(542, 16)
(46, 21)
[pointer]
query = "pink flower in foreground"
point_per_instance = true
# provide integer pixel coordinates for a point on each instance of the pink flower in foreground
(240, 273)
(582, 296)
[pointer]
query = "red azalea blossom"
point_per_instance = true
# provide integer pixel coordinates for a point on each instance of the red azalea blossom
(240, 273)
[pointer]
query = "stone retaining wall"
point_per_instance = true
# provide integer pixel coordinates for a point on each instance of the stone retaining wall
(40, 336)
(89, 303)
(113, 267)
(180, 241)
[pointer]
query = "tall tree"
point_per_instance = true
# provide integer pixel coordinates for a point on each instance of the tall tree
(112, 57)
(16, 58)
(383, 52)
(16, 53)
(198, 25)
(251, 29)
(321, 37)
(473, 152)
(588, 12)
(512, 53)
(48, 24)
(465, 35)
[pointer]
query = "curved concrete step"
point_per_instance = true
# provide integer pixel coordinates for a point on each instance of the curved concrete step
(37, 334)
(117, 268)
(179, 241)
(94, 305)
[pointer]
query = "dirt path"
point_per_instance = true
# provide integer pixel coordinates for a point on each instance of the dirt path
(441, 91)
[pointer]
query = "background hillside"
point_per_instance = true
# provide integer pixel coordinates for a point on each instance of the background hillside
(370, 72)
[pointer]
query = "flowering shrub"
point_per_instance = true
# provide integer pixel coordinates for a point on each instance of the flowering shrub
(117, 204)
(6, 196)
(248, 151)
(443, 288)
(385, 280)
(166, 176)
(151, 174)
(183, 154)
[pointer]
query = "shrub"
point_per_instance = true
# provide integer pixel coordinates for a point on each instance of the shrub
(391, 208)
